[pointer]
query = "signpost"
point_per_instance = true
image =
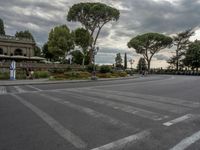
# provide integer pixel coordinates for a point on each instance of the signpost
(13, 70)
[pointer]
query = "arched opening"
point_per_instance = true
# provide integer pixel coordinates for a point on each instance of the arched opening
(1, 51)
(18, 52)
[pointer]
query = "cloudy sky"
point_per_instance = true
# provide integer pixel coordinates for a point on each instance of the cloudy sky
(136, 17)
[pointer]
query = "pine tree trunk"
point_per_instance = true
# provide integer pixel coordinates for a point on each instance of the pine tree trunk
(149, 65)
(83, 62)
(177, 61)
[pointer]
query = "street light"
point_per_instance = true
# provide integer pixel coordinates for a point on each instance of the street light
(94, 52)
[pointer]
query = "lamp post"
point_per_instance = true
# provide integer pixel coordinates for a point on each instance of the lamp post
(94, 52)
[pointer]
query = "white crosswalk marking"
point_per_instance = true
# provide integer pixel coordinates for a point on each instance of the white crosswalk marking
(166, 100)
(3, 90)
(30, 86)
(90, 112)
(19, 89)
(185, 143)
(119, 106)
(125, 142)
(117, 97)
(54, 124)
(180, 119)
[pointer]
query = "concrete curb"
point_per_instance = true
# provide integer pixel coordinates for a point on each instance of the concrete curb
(29, 82)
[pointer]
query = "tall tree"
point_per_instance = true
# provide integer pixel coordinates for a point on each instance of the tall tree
(60, 42)
(82, 39)
(25, 34)
(125, 61)
(2, 30)
(77, 57)
(118, 60)
(181, 42)
(142, 65)
(93, 16)
(192, 56)
(37, 51)
(149, 44)
(46, 53)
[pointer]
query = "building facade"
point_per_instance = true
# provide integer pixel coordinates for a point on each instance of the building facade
(11, 46)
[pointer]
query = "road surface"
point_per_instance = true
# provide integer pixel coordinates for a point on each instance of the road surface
(147, 113)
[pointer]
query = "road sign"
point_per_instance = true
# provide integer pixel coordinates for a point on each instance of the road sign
(13, 70)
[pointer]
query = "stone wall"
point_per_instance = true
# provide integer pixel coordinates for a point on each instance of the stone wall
(40, 66)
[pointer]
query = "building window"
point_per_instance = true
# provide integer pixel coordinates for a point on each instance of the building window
(18, 52)
(1, 51)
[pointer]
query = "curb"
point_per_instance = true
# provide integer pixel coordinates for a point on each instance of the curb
(64, 81)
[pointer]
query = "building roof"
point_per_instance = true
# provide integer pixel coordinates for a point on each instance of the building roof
(8, 38)
(21, 58)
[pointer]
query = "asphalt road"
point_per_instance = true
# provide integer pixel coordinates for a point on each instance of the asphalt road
(147, 113)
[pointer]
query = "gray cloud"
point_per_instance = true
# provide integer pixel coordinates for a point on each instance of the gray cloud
(161, 57)
(136, 17)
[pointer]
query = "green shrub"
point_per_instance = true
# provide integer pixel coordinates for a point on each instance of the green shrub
(57, 77)
(4, 75)
(20, 76)
(119, 74)
(40, 74)
(104, 75)
(90, 68)
(59, 71)
(105, 69)
(75, 75)
(85, 74)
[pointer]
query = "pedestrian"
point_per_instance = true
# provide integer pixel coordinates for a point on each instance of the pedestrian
(32, 73)
(27, 73)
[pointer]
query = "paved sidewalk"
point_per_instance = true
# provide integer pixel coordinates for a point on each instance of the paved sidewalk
(47, 81)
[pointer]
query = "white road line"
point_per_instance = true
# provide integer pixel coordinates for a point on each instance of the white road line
(185, 143)
(119, 106)
(178, 120)
(19, 89)
(3, 90)
(62, 131)
(125, 142)
(167, 100)
(124, 98)
(90, 112)
(37, 89)
(136, 83)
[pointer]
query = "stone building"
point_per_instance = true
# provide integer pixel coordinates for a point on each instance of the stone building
(18, 49)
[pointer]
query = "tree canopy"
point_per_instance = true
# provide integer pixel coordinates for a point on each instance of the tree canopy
(82, 39)
(78, 57)
(2, 30)
(60, 41)
(46, 53)
(37, 51)
(192, 56)
(149, 44)
(181, 41)
(24, 34)
(93, 16)
(118, 60)
(28, 35)
(142, 65)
